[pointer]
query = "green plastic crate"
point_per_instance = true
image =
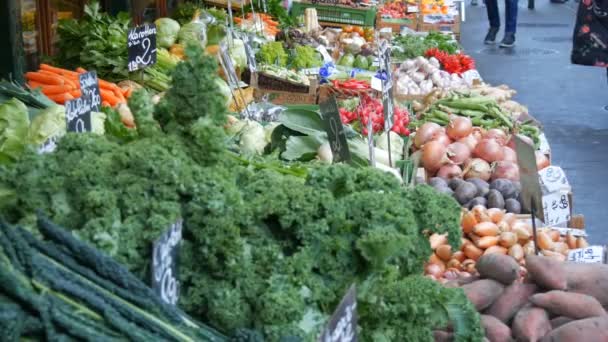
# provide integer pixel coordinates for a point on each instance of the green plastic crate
(337, 15)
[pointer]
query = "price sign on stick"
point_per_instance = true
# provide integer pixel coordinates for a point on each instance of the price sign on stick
(342, 325)
(141, 44)
(556, 208)
(335, 131)
(78, 115)
(165, 253)
(589, 255)
(553, 178)
(89, 89)
(531, 194)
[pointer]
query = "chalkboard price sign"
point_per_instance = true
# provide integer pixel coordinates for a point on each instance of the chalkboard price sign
(165, 253)
(141, 43)
(342, 325)
(78, 115)
(89, 88)
(335, 131)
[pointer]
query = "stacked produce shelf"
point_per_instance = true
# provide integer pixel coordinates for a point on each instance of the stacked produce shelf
(278, 180)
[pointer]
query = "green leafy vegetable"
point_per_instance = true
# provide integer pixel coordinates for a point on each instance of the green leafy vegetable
(167, 30)
(305, 57)
(273, 53)
(14, 126)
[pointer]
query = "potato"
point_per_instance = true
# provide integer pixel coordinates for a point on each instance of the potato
(529, 248)
(507, 239)
(444, 252)
(443, 336)
(487, 242)
(559, 321)
(482, 186)
(514, 297)
(554, 255)
(468, 221)
(513, 206)
(547, 273)
(505, 187)
(495, 199)
(472, 252)
(522, 232)
(482, 293)
(437, 240)
(531, 324)
(544, 241)
(459, 255)
(486, 229)
(496, 331)
(495, 249)
(590, 329)
(499, 267)
(554, 235)
(517, 252)
(571, 240)
(569, 304)
(453, 263)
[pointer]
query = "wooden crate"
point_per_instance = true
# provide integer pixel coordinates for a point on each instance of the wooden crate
(287, 97)
(396, 25)
(446, 27)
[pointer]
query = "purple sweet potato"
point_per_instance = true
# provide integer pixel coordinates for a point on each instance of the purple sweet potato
(559, 321)
(569, 304)
(496, 331)
(546, 272)
(511, 300)
(483, 293)
(500, 267)
(531, 324)
(591, 329)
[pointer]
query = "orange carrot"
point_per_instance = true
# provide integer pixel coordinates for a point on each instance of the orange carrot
(105, 104)
(34, 84)
(76, 93)
(59, 71)
(81, 70)
(128, 92)
(44, 78)
(107, 95)
(106, 85)
(61, 98)
(118, 92)
(55, 89)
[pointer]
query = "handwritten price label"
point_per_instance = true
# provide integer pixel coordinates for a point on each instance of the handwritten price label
(553, 179)
(165, 252)
(78, 115)
(342, 326)
(335, 131)
(556, 208)
(589, 255)
(89, 88)
(141, 44)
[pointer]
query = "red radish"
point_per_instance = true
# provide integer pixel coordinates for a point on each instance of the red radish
(434, 155)
(489, 150)
(541, 160)
(477, 168)
(458, 152)
(498, 134)
(459, 127)
(449, 171)
(425, 133)
(509, 154)
(505, 169)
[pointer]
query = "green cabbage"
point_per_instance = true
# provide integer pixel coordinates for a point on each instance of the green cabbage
(49, 123)
(14, 126)
(238, 54)
(98, 120)
(166, 32)
(193, 32)
(225, 90)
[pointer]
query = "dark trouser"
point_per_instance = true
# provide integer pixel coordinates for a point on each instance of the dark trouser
(510, 14)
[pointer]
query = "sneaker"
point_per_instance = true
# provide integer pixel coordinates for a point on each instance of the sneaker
(508, 41)
(491, 36)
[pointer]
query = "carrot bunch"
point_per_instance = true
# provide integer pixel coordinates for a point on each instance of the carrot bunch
(61, 85)
(271, 26)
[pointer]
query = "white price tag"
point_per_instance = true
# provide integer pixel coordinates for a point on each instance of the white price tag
(556, 208)
(572, 231)
(376, 83)
(472, 77)
(412, 9)
(589, 255)
(553, 179)
(544, 144)
(323, 51)
(48, 146)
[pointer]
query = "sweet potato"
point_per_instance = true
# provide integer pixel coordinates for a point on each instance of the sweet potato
(496, 331)
(589, 279)
(591, 329)
(443, 336)
(483, 293)
(546, 272)
(559, 321)
(511, 300)
(569, 304)
(499, 267)
(531, 324)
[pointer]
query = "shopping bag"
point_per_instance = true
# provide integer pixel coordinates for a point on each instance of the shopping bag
(590, 43)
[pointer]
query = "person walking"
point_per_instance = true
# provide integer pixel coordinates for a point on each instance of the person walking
(494, 19)
(590, 41)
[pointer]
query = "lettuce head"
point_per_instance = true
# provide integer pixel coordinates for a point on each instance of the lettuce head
(14, 127)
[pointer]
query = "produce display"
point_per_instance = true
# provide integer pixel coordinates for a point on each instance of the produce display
(286, 200)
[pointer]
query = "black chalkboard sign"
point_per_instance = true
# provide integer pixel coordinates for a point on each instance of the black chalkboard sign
(342, 325)
(78, 115)
(335, 131)
(89, 89)
(165, 254)
(141, 43)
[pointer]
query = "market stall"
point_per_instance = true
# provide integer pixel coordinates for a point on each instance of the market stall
(229, 174)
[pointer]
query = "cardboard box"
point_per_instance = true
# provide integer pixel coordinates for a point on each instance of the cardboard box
(396, 25)
(443, 26)
(288, 97)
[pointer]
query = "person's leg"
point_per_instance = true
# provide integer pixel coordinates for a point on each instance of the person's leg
(494, 19)
(510, 23)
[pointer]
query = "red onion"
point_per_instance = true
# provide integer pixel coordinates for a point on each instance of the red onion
(477, 168)
(498, 134)
(442, 138)
(525, 138)
(458, 152)
(449, 171)
(434, 155)
(459, 127)
(509, 154)
(425, 133)
(505, 169)
(489, 150)
(470, 141)
(541, 160)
